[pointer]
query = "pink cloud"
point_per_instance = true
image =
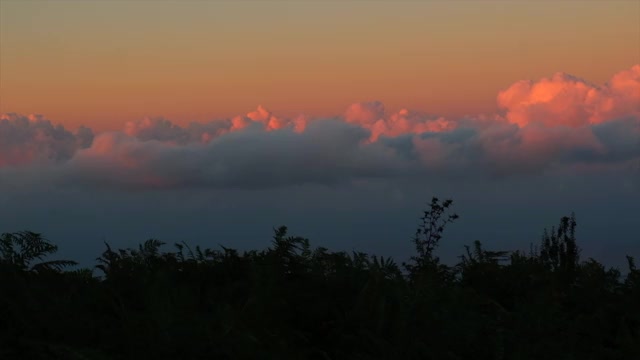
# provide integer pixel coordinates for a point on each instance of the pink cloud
(624, 91)
(271, 122)
(372, 116)
(567, 100)
(365, 113)
(164, 130)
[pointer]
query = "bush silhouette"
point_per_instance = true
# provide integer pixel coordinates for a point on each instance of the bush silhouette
(293, 301)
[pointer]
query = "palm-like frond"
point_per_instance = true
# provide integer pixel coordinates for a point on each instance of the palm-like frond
(20, 249)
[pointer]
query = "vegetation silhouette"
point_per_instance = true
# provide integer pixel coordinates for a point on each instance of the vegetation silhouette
(292, 301)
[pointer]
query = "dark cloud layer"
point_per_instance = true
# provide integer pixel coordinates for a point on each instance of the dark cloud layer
(327, 152)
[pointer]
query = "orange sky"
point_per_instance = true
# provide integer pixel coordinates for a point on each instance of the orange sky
(104, 63)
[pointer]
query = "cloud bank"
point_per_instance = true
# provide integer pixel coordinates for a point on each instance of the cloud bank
(33, 139)
(557, 124)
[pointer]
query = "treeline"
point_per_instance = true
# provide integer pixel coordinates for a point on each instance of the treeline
(292, 301)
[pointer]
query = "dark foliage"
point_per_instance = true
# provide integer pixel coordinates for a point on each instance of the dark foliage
(292, 301)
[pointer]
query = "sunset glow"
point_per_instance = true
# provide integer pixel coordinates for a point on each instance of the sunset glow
(100, 64)
(201, 115)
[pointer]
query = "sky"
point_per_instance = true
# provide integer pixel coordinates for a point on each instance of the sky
(215, 121)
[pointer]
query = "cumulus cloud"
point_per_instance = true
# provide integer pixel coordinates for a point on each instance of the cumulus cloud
(372, 116)
(164, 130)
(620, 138)
(499, 148)
(567, 100)
(25, 140)
(554, 123)
(271, 122)
(327, 152)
